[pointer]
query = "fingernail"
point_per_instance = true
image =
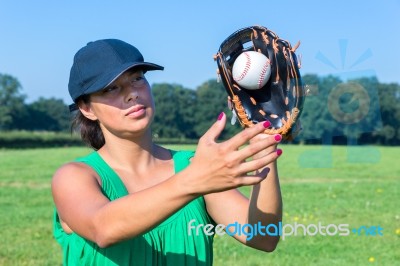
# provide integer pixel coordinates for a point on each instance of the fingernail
(279, 152)
(277, 137)
(220, 116)
(267, 124)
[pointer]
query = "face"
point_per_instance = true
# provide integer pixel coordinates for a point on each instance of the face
(126, 106)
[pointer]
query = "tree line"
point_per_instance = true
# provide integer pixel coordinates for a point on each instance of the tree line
(336, 111)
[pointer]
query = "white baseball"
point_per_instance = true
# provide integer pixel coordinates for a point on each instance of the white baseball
(251, 70)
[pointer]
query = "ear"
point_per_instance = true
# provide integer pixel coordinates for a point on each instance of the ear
(86, 110)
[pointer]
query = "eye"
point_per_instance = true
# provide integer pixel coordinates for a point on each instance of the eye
(110, 89)
(135, 79)
(138, 81)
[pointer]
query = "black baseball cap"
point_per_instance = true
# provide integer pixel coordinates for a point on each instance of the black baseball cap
(101, 62)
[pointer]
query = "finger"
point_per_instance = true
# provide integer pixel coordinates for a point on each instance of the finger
(265, 152)
(253, 179)
(262, 136)
(216, 129)
(260, 148)
(256, 164)
(258, 137)
(247, 134)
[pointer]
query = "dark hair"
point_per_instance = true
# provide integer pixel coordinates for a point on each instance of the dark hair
(89, 130)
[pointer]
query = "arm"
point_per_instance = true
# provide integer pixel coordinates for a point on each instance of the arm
(82, 206)
(264, 205)
(215, 167)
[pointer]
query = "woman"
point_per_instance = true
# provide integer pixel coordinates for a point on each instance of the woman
(130, 202)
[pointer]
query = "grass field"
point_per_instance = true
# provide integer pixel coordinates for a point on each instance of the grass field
(332, 185)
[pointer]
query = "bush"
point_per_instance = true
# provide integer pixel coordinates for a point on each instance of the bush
(47, 139)
(34, 139)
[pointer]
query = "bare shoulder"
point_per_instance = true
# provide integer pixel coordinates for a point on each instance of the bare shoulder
(73, 174)
(77, 196)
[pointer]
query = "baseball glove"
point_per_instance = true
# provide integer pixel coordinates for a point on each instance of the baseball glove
(280, 100)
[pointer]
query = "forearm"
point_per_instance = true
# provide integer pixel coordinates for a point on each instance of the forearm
(266, 197)
(266, 207)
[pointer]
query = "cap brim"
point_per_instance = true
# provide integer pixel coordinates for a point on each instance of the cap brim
(110, 77)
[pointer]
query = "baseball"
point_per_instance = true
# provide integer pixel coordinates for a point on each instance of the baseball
(251, 70)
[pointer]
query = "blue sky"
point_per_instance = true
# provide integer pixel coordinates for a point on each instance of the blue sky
(39, 38)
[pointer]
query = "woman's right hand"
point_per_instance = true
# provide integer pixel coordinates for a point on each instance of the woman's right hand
(222, 166)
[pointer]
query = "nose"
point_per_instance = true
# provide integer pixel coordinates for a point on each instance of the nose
(132, 95)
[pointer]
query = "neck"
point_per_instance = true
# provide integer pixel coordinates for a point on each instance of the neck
(129, 153)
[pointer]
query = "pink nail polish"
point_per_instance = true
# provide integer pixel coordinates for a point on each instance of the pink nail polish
(278, 137)
(279, 152)
(267, 124)
(220, 116)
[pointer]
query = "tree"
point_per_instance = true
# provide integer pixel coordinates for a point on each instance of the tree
(11, 101)
(45, 114)
(361, 111)
(317, 121)
(211, 101)
(174, 111)
(389, 97)
(186, 102)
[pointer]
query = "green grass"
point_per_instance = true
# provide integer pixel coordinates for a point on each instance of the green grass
(332, 185)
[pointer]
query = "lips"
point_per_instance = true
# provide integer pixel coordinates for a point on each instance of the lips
(136, 111)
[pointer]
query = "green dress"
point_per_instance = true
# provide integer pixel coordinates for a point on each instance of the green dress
(170, 243)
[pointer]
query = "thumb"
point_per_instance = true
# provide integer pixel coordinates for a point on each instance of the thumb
(216, 129)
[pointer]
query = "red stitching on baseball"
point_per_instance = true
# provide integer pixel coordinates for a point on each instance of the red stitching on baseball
(263, 72)
(246, 69)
